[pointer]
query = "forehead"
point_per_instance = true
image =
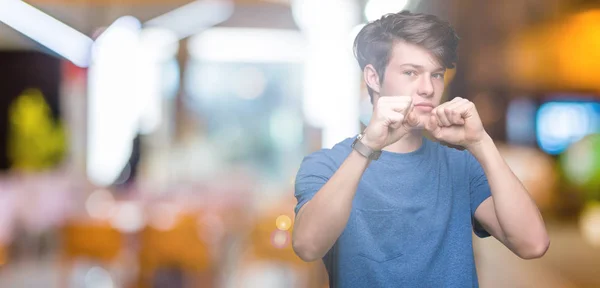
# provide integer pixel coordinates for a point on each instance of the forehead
(406, 53)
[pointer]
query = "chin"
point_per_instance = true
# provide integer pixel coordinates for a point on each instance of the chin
(422, 120)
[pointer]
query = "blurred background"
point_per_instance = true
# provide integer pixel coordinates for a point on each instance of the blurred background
(154, 143)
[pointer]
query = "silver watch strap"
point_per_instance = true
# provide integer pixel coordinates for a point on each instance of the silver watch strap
(364, 149)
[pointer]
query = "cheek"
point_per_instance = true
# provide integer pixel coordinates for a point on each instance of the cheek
(397, 86)
(439, 93)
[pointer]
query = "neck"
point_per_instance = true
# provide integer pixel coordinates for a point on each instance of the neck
(408, 143)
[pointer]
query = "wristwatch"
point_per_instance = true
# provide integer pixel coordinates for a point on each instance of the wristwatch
(363, 149)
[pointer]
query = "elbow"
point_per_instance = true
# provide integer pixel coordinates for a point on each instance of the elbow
(536, 250)
(305, 250)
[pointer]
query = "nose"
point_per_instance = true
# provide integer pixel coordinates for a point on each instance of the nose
(425, 88)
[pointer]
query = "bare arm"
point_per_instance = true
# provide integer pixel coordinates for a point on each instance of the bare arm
(321, 220)
(510, 215)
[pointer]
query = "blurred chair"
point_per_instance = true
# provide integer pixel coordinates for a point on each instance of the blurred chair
(89, 240)
(178, 247)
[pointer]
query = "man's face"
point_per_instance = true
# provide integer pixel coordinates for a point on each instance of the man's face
(413, 71)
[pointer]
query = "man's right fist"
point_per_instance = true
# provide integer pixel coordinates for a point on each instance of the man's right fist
(393, 117)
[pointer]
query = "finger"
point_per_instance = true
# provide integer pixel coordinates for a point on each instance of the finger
(440, 113)
(452, 113)
(395, 119)
(412, 119)
(432, 123)
(457, 99)
(465, 109)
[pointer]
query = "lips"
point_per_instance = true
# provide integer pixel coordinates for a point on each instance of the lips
(424, 104)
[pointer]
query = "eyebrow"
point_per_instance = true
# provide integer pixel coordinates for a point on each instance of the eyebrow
(420, 67)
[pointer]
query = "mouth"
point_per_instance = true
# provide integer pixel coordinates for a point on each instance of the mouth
(424, 106)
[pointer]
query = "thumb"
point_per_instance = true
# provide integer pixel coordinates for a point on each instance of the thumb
(431, 124)
(412, 119)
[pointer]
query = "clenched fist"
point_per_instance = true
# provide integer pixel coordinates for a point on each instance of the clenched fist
(456, 122)
(392, 118)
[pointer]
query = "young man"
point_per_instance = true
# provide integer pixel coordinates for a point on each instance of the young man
(390, 208)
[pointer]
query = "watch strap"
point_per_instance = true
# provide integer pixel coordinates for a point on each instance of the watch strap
(364, 150)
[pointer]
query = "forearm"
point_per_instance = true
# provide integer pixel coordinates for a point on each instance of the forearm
(322, 220)
(521, 223)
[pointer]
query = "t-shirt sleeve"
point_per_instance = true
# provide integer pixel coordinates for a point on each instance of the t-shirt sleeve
(314, 172)
(479, 191)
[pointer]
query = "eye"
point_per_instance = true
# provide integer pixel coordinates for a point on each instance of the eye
(438, 75)
(410, 73)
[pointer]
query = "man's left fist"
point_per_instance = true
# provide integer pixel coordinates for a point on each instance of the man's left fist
(456, 122)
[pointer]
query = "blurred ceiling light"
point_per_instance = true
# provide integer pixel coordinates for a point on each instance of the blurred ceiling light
(248, 45)
(124, 28)
(312, 15)
(113, 101)
(377, 8)
(46, 30)
(194, 17)
(159, 43)
(331, 75)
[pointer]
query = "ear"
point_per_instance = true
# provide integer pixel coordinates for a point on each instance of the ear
(371, 78)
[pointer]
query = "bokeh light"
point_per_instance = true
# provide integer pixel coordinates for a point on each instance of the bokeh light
(280, 239)
(589, 223)
(561, 123)
(100, 204)
(128, 217)
(581, 165)
(283, 222)
(164, 216)
(98, 277)
(249, 83)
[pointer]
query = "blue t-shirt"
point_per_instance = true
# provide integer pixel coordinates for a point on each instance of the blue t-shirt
(412, 217)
